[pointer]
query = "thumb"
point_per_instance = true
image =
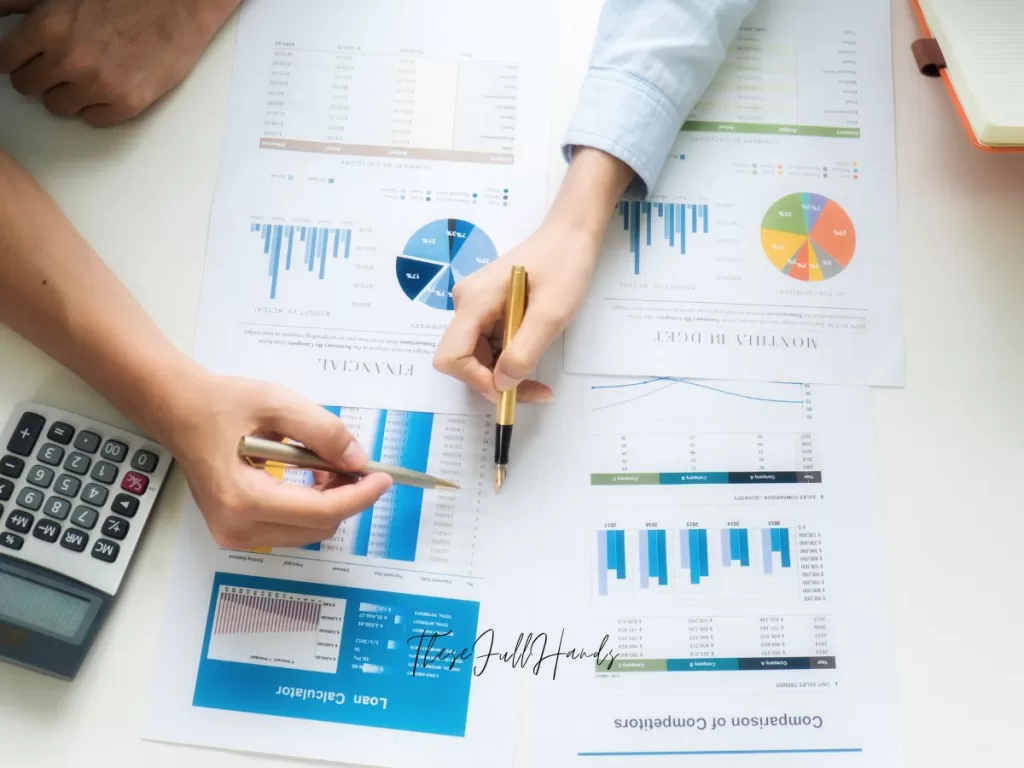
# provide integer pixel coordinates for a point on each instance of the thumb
(539, 328)
(318, 429)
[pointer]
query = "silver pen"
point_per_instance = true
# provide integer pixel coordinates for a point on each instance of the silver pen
(296, 456)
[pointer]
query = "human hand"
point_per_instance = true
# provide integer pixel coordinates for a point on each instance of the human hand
(559, 262)
(559, 259)
(243, 505)
(106, 60)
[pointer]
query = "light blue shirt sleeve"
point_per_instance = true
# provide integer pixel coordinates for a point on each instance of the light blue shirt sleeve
(652, 60)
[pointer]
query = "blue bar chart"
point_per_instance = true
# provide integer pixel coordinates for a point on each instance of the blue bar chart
(662, 560)
(433, 532)
(676, 220)
(693, 553)
(775, 540)
(735, 547)
(611, 558)
(390, 529)
(282, 244)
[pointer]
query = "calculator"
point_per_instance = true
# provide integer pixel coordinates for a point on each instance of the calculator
(75, 497)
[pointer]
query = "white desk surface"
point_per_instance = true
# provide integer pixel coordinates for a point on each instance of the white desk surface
(951, 443)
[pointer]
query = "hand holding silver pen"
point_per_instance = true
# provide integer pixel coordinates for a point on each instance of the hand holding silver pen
(261, 449)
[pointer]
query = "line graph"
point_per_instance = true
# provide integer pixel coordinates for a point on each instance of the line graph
(276, 629)
(667, 431)
(665, 382)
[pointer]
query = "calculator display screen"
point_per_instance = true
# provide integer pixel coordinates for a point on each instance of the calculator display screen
(40, 607)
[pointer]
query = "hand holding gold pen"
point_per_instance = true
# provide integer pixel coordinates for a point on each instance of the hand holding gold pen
(261, 449)
(515, 308)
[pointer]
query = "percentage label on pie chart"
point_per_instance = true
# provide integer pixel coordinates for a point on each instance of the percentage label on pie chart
(808, 237)
(440, 254)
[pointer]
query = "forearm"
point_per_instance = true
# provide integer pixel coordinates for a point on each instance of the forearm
(57, 293)
(594, 183)
(652, 60)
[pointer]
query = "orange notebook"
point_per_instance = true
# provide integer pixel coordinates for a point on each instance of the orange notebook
(976, 48)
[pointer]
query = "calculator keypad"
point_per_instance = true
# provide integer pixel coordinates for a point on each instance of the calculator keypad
(135, 483)
(106, 551)
(87, 441)
(57, 508)
(85, 517)
(115, 527)
(30, 498)
(114, 450)
(96, 495)
(40, 476)
(46, 530)
(74, 540)
(79, 493)
(125, 505)
(67, 486)
(144, 461)
(104, 471)
(12, 466)
(77, 463)
(20, 522)
(60, 433)
(51, 454)
(26, 433)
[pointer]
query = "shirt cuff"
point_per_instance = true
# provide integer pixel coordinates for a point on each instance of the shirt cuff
(630, 120)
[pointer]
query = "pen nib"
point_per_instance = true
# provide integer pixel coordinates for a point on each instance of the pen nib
(499, 478)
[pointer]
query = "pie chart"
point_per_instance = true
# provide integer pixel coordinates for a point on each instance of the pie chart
(808, 237)
(440, 254)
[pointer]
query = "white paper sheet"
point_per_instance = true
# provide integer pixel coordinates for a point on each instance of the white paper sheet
(333, 652)
(375, 154)
(769, 250)
(723, 541)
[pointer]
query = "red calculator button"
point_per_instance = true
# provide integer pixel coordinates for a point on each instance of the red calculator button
(135, 483)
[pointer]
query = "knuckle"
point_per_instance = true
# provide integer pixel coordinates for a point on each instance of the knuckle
(104, 82)
(228, 537)
(516, 362)
(442, 361)
(57, 106)
(135, 101)
(20, 85)
(93, 118)
(79, 61)
(53, 27)
(229, 499)
(465, 291)
(335, 434)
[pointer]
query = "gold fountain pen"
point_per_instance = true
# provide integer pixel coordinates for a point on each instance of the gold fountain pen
(262, 449)
(514, 310)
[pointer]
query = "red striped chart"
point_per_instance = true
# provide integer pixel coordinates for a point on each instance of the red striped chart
(276, 629)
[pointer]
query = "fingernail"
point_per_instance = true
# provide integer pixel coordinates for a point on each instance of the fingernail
(504, 383)
(354, 455)
(546, 398)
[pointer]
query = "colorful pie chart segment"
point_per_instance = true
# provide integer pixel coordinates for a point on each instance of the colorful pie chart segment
(808, 237)
(437, 256)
